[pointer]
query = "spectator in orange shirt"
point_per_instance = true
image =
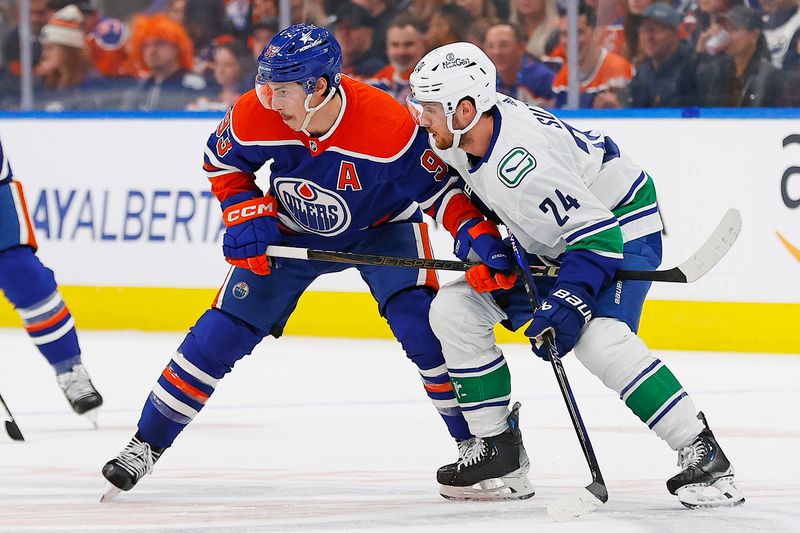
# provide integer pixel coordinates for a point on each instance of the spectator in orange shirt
(106, 38)
(405, 46)
(602, 73)
(66, 72)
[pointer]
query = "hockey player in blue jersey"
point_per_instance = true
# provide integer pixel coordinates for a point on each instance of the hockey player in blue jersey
(31, 288)
(349, 170)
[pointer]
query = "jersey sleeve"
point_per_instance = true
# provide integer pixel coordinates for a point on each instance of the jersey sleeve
(553, 204)
(430, 182)
(230, 166)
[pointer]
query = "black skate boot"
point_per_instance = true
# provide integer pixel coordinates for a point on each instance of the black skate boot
(707, 476)
(489, 468)
(126, 469)
(80, 392)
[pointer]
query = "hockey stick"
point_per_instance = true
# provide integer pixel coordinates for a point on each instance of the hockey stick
(595, 494)
(11, 426)
(703, 260)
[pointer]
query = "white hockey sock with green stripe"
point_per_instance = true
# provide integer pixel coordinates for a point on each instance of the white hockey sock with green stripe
(617, 356)
(483, 392)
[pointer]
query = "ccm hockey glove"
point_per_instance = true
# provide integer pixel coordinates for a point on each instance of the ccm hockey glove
(251, 226)
(565, 311)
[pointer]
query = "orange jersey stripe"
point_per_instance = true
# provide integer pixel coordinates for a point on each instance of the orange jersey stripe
(39, 326)
(195, 393)
(31, 235)
(438, 387)
(431, 278)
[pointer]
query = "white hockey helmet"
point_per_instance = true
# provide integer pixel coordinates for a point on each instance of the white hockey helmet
(449, 74)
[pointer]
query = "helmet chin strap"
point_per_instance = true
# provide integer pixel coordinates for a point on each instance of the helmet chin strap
(311, 110)
(458, 133)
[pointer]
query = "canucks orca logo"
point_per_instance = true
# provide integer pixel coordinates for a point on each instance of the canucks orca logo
(515, 165)
(315, 209)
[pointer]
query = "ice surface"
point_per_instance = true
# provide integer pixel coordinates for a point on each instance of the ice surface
(312, 434)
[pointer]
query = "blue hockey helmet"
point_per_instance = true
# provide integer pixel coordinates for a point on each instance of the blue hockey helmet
(301, 53)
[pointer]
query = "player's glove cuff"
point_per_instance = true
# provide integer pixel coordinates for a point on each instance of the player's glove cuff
(241, 212)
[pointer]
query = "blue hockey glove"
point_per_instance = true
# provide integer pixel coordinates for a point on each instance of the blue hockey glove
(565, 311)
(482, 237)
(251, 227)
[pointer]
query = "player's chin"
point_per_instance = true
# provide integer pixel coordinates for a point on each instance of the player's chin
(291, 122)
(442, 144)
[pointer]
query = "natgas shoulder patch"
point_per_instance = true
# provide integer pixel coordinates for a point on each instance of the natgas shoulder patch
(514, 166)
(315, 209)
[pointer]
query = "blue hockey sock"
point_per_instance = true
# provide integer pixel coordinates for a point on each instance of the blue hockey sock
(31, 288)
(207, 353)
(407, 314)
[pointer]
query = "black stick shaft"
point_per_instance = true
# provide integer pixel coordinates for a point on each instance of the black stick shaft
(597, 487)
(673, 275)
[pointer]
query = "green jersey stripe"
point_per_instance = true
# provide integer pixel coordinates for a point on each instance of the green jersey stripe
(646, 195)
(608, 241)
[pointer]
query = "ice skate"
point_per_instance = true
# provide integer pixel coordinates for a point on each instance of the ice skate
(706, 479)
(80, 392)
(490, 468)
(126, 469)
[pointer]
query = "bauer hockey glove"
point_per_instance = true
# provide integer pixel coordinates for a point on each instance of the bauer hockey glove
(565, 311)
(251, 227)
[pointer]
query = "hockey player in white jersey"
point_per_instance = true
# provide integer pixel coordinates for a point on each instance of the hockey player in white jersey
(569, 197)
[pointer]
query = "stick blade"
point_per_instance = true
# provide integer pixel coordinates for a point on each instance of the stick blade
(715, 247)
(578, 504)
(13, 431)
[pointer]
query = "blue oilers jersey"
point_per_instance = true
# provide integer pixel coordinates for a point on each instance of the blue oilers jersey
(373, 167)
(16, 228)
(5, 168)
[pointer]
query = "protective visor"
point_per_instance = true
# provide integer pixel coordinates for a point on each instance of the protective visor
(269, 96)
(414, 108)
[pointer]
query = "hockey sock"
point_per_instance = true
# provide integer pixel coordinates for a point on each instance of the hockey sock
(484, 392)
(656, 396)
(407, 314)
(207, 353)
(611, 351)
(31, 288)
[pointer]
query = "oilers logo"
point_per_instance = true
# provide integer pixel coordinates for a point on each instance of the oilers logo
(241, 290)
(315, 209)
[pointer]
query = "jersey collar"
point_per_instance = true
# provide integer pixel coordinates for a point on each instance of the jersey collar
(495, 134)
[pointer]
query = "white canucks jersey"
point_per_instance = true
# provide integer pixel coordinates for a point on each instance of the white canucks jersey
(557, 188)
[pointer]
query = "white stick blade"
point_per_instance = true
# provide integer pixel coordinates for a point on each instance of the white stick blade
(715, 247)
(573, 505)
(287, 252)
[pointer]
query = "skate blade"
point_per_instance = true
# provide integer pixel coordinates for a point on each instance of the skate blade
(109, 493)
(515, 486)
(721, 493)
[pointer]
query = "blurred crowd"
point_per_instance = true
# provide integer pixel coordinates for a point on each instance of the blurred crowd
(202, 54)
